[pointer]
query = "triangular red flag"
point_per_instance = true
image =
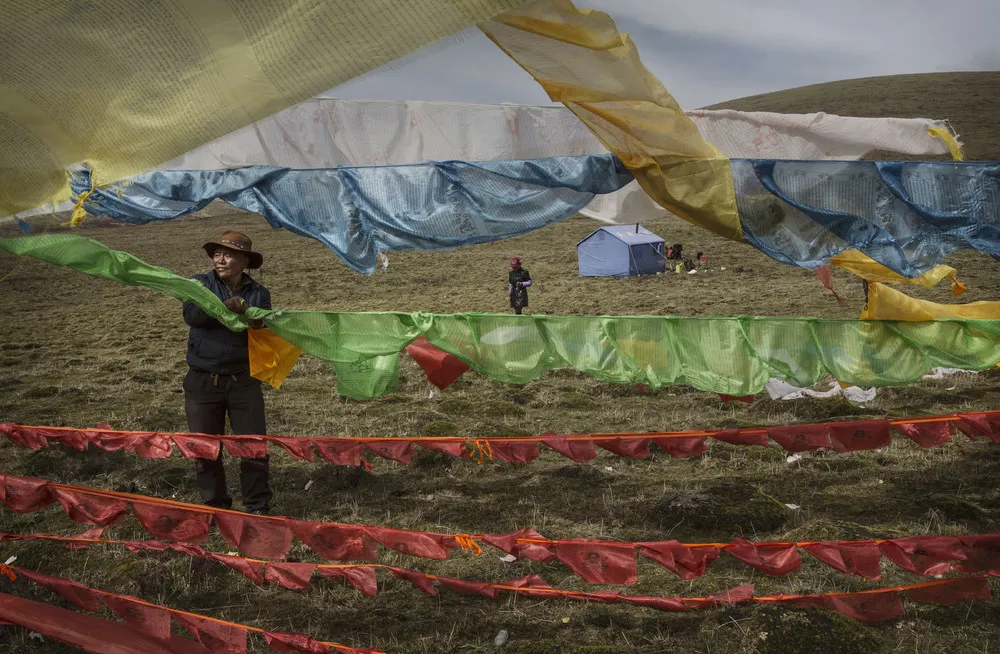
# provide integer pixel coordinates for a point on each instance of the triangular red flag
(956, 590)
(451, 448)
(335, 542)
(294, 576)
(927, 434)
(71, 437)
(741, 437)
(107, 440)
(90, 509)
(150, 620)
(800, 438)
(150, 446)
(574, 450)
(861, 559)
(396, 449)
(360, 577)
(252, 570)
(661, 603)
(173, 523)
(23, 436)
(418, 579)
(74, 593)
(514, 451)
(736, 595)
(769, 559)
(300, 448)
(975, 425)
(868, 607)
(25, 494)
(217, 636)
(512, 544)
(982, 554)
(635, 448)
(197, 447)
(90, 534)
(464, 587)
(341, 451)
(527, 583)
(924, 555)
(599, 562)
(858, 435)
(254, 536)
(246, 447)
(282, 642)
(683, 447)
(441, 368)
(685, 562)
(415, 543)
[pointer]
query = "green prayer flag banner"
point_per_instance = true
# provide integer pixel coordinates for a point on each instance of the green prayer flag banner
(730, 356)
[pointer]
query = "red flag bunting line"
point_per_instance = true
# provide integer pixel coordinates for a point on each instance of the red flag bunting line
(606, 562)
(149, 620)
(848, 436)
(154, 620)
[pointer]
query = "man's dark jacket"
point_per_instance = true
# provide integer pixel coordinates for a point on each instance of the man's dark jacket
(211, 346)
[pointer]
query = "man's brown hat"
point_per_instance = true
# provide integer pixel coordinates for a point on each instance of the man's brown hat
(236, 241)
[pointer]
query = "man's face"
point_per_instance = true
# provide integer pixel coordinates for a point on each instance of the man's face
(229, 264)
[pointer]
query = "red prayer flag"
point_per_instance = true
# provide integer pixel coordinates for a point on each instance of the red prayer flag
(151, 620)
(512, 544)
(975, 425)
(418, 579)
(740, 437)
(745, 399)
(769, 559)
(23, 436)
(197, 447)
(90, 509)
(982, 553)
(294, 576)
(216, 636)
(868, 607)
(90, 534)
(927, 434)
(415, 543)
(685, 562)
(635, 448)
(335, 542)
(514, 451)
(300, 448)
(732, 596)
(25, 494)
(150, 446)
(341, 451)
(360, 577)
(924, 555)
(246, 447)
(173, 523)
(258, 537)
(861, 559)
(283, 642)
(451, 448)
(800, 438)
(441, 368)
(683, 447)
(396, 449)
(107, 440)
(857, 435)
(72, 437)
(661, 603)
(606, 597)
(252, 570)
(956, 590)
(599, 562)
(526, 583)
(578, 451)
(74, 593)
(464, 587)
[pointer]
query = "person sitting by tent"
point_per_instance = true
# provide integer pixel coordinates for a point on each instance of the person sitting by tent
(518, 282)
(675, 252)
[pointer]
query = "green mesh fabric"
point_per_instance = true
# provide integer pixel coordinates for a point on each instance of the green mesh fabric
(732, 356)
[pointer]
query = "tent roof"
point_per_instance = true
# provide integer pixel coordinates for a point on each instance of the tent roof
(627, 234)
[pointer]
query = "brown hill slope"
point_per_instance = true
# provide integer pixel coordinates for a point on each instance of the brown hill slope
(968, 100)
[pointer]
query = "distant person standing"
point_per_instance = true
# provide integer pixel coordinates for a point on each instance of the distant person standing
(518, 282)
(218, 382)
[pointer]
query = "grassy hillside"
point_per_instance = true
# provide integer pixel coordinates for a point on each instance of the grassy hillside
(76, 351)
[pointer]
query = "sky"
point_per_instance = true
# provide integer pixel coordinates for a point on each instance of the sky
(710, 51)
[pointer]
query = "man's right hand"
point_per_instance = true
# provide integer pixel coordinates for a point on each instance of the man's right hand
(236, 305)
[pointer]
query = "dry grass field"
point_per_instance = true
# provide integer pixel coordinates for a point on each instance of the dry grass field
(76, 351)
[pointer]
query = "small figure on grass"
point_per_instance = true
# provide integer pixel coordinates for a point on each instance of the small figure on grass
(518, 282)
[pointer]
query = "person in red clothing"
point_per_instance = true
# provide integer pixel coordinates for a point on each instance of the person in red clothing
(518, 282)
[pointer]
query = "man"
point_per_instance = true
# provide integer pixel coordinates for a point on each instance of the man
(518, 282)
(218, 381)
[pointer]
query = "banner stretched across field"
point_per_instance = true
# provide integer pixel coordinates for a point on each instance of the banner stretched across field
(867, 606)
(358, 211)
(594, 561)
(729, 356)
(845, 436)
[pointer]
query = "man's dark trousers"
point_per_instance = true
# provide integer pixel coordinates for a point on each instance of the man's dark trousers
(208, 398)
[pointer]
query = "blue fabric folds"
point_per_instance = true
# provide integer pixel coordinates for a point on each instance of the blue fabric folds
(905, 215)
(357, 211)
